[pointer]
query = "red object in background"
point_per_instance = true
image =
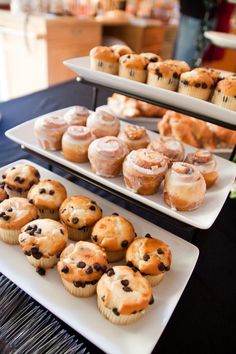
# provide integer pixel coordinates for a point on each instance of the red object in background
(224, 13)
(4, 7)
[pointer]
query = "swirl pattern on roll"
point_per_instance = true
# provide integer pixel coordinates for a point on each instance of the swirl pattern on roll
(103, 124)
(170, 147)
(134, 136)
(77, 115)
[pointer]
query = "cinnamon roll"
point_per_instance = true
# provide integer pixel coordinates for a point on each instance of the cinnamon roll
(103, 124)
(184, 187)
(49, 130)
(144, 171)
(135, 137)
(170, 147)
(75, 143)
(206, 164)
(106, 156)
(77, 115)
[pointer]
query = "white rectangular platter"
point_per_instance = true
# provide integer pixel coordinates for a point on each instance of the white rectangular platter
(82, 314)
(201, 218)
(82, 67)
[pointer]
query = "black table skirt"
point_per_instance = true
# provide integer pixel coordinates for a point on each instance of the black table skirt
(204, 319)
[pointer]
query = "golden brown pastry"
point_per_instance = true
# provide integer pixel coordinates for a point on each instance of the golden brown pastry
(151, 57)
(77, 115)
(79, 214)
(104, 59)
(135, 137)
(15, 213)
(42, 241)
(215, 74)
(3, 193)
(81, 265)
(182, 65)
(151, 256)
(184, 187)
(47, 196)
(225, 138)
(197, 84)
(133, 67)
(113, 233)
(206, 163)
(102, 124)
(144, 171)
(163, 75)
(170, 147)
(75, 143)
(225, 94)
(106, 156)
(121, 49)
(19, 179)
(123, 295)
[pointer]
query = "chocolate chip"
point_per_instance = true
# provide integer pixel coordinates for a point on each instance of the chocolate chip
(115, 311)
(31, 201)
(135, 269)
(38, 231)
(65, 269)
(161, 267)
(110, 272)
(127, 289)
(159, 75)
(6, 217)
(160, 251)
(81, 264)
(204, 85)
(134, 312)
(89, 270)
(153, 60)
(129, 264)
(197, 85)
(93, 202)
(148, 236)
(175, 75)
(151, 301)
(145, 66)
(2, 214)
(124, 244)
(19, 190)
(135, 235)
(36, 173)
(75, 220)
(28, 228)
(95, 238)
(13, 168)
(92, 207)
(19, 179)
(4, 176)
(42, 190)
(125, 282)
(97, 267)
(103, 298)
(63, 211)
(41, 271)
(185, 82)
(27, 253)
(51, 192)
(128, 57)
(78, 284)
(146, 257)
(36, 253)
(61, 231)
(116, 214)
(167, 268)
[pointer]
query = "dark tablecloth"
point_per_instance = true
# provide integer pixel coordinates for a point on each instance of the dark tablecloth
(204, 320)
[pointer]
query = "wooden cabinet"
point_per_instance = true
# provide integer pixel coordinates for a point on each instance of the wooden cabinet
(33, 48)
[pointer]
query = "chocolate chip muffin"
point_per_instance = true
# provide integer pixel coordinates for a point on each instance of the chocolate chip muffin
(3, 193)
(133, 67)
(114, 233)
(79, 214)
(104, 59)
(121, 49)
(14, 214)
(123, 295)
(163, 75)
(152, 257)
(19, 179)
(225, 93)
(197, 84)
(81, 265)
(182, 65)
(42, 241)
(47, 196)
(151, 57)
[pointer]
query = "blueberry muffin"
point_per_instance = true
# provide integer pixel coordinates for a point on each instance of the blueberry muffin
(104, 59)
(196, 84)
(3, 193)
(151, 57)
(121, 49)
(225, 93)
(123, 295)
(81, 265)
(163, 75)
(79, 214)
(133, 67)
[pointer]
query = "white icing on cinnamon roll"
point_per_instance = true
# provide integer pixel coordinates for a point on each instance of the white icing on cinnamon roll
(77, 115)
(135, 137)
(170, 147)
(103, 124)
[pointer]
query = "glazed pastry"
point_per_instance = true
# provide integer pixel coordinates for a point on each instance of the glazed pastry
(181, 65)
(79, 214)
(47, 196)
(151, 57)
(123, 295)
(104, 59)
(121, 49)
(106, 156)
(114, 234)
(163, 75)
(225, 94)
(3, 193)
(225, 138)
(133, 67)
(206, 164)
(184, 187)
(49, 130)
(144, 171)
(19, 179)
(152, 257)
(196, 84)
(15, 213)
(42, 241)
(170, 147)
(75, 143)
(102, 124)
(81, 265)
(135, 137)
(77, 115)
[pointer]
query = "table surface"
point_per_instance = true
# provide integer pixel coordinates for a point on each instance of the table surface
(204, 319)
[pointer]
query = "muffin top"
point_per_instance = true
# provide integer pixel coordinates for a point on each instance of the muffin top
(182, 65)
(227, 87)
(214, 74)
(121, 49)
(16, 212)
(198, 79)
(47, 194)
(21, 177)
(79, 211)
(82, 262)
(149, 255)
(113, 233)
(124, 291)
(43, 237)
(134, 61)
(3, 193)
(104, 53)
(151, 57)
(164, 70)
(76, 115)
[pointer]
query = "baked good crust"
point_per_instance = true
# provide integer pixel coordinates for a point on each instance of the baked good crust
(104, 53)
(133, 61)
(227, 87)
(196, 78)
(21, 177)
(121, 49)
